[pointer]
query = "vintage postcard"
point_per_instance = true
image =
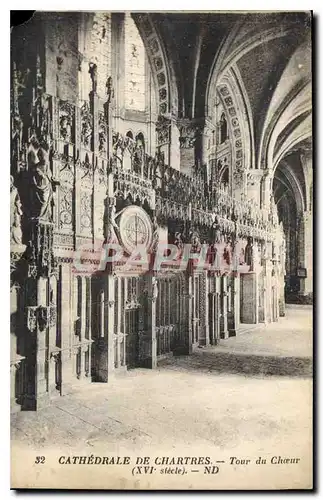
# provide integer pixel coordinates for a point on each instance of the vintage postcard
(161, 200)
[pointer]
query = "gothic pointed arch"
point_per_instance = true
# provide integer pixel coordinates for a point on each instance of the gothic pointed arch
(288, 118)
(237, 120)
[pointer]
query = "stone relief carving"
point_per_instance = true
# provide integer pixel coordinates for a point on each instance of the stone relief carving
(86, 211)
(178, 241)
(66, 119)
(66, 208)
(86, 125)
(103, 136)
(163, 130)
(41, 316)
(42, 184)
(189, 132)
(15, 215)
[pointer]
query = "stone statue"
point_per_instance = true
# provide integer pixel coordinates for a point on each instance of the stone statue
(242, 257)
(109, 89)
(212, 253)
(155, 239)
(110, 225)
(249, 253)
(93, 70)
(65, 128)
(178, 241)
(139, 153)
(42, 186)
(195, 243)
(227, 253)
(216, 232)
(154, 289)
(15, 215)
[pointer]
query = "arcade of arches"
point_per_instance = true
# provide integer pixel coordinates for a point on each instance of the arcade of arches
(153, 128)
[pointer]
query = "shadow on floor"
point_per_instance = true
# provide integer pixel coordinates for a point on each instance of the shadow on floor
(243, 364)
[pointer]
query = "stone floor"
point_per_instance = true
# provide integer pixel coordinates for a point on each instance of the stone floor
(251, 394)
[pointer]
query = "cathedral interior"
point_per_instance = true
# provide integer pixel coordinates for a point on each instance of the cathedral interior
(153, 129)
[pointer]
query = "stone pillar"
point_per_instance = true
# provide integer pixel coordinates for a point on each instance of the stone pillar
(109, 331)
(190, 141)
(147, 356)
(224, 308)
(16, 390)
(118, 68)
(54, 352)
(268, 283)
(148, 347)
(118, 331)
(239, 184)
(306, 245)
(236, 305)
(204, 338)
(275, 294)
(266, 189)
(185, 345)
(281, 285)
(67, 315)
(41, 394)
(175, 156)
(164, 135)
(105, 367)
(254, 184)
(189, 298)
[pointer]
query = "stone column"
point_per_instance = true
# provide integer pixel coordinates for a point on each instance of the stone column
(254, 183)
(268, 282)
(188, 341)
(306, 245)
(239, 184)
(41, 393)
(148, 345)
(186, 334)
(105, 368)
(67, 315)
(224, 308)
(217, 307)
(204, 338)
(266, 188)
(83, 325)
(235, 305)
(190, 139)
(110, 323)
(118, 69)
(54, 352)
(164, 134)
(174, 156)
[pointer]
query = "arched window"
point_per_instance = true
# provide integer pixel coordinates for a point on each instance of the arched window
(223, 129)
(94, 41)
(139, 153)
(135, 67)
(224, 180)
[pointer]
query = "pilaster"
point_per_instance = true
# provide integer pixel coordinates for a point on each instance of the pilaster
(224, 307)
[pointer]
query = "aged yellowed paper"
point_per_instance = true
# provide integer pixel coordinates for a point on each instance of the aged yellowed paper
(161, 200)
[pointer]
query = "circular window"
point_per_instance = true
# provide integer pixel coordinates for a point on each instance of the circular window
(135, 228)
